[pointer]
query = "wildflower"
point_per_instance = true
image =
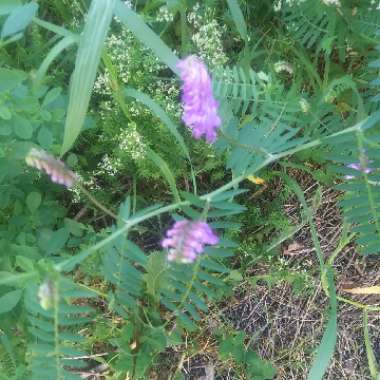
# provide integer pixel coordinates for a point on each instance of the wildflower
(46, 294)
(256, 180)
(305, 106)
(361, 166)
(186, 240)
(283, 66)
(200, 107)
(357, 166)
(53, 167)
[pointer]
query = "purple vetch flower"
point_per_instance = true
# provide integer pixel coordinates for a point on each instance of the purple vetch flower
(186, 240)
(53, 167)
(358, 166)
(200, 108)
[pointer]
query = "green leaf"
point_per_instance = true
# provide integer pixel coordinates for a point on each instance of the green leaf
(235, 276)
(257, 368)
(373, 367)
(5, 129)
(146, 35)
(33, 201)
(7, 6)
(327, 346)
(52, 241)
(88, 57)
(165, 170)
(45, 138)
(161, 114)
(51, 96)
(19, 19)
(9, 79)
(8, 278)
(238, 18)
(22, 127)
(56, 50)
(5, 112)
(156, 270)
(9, 300)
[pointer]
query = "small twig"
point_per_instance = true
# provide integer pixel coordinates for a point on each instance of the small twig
(86, 356)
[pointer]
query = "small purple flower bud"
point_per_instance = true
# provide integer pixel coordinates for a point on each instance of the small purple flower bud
(53, 167)
(186, 240)
(358, 166)
(200, 108)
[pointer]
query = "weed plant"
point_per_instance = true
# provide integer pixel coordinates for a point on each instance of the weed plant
(125, 273)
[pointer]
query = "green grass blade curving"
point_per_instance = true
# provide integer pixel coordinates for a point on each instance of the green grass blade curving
(52, 27)
(86, 66)
(57, 49)
(373, 368)
(328, 342)
(238, 18)
(166, 172)
(163, 116)
(146, 35)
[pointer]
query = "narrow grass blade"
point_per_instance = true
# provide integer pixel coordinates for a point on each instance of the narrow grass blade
(86, 65)
(52, 27)
(163, 116)
(165, 170)
(160, 113)
(309, 217)
(238, 18)
(327, 346)
(146, 35)
(328, 342)
(57, 49)
(373, 368)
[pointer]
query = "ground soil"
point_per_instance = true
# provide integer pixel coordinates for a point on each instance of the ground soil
(285, 327)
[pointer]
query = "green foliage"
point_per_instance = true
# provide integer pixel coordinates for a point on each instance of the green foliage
(361, 190)
(54, 322)
(302, 85)
(251, 366)
(86, 65)
(19, 19)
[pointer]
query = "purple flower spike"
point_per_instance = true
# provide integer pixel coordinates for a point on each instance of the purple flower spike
(53, 167)
(186, 240)
(200, 108)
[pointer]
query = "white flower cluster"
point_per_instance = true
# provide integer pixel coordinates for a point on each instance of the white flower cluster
(208, 37)
(335, 3)
(277, 6)
(279, 3)
(283, 66)
(110, 166)
(118, 46)
(164, 15)
(131, 142)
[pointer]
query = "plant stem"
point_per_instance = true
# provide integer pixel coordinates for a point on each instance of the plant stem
(70, 263)
(98, 204)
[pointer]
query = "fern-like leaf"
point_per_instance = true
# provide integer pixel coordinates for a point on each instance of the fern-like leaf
(55, 322)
